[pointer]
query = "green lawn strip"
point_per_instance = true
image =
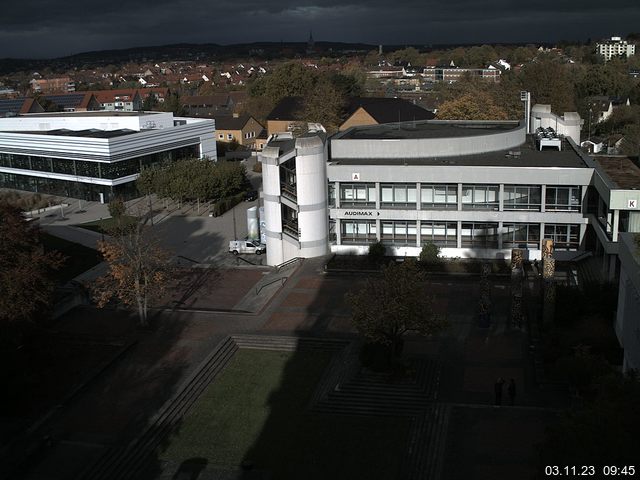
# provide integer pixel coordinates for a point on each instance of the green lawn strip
(79, 258)
(106, 224)
(256, 410)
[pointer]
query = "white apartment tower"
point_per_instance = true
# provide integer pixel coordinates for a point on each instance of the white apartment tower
(614, 48)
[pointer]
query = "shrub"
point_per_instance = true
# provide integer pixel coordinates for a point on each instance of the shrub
(226, 204)
(377, 251)
(117, 208)
(430, 253)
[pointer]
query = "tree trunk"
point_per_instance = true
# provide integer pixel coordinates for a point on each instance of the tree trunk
(142, 313)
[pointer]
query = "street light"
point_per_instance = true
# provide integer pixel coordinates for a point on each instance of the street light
(590, 112)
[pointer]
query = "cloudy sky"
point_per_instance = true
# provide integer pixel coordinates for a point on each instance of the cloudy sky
(49, 28)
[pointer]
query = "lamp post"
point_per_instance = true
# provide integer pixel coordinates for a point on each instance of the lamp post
(590, 112)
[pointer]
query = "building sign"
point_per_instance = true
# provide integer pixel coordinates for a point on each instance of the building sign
(632, 203)
(360, 213)
(355, 177)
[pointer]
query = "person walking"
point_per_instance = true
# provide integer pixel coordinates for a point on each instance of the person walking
(498, 390)
(511, 390)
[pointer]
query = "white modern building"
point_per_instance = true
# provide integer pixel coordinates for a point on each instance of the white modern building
(475, 189)
(615, 47)
(294, 173)
(627, 324)
(95, 155)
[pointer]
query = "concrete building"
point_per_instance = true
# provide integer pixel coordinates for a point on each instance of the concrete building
(627, 324)
(95, 155)
(295, 196)
(475, 189)
(615, 47)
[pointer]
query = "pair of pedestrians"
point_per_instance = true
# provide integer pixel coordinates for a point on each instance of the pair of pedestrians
(511, 390)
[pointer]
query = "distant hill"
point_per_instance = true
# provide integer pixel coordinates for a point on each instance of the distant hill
(183, 51)
(205, 52)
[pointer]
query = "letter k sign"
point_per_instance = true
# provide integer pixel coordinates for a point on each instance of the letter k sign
(632, 204)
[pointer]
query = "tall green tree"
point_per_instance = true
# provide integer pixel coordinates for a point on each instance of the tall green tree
(471, 106)
(549, 82)
(390, 306)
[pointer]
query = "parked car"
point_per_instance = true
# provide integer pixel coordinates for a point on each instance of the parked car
(247, 246)
(250, 195)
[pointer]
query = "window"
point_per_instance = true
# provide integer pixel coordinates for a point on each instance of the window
(480, 197)
(522, 197)
(331, 195)
(358, 231)
(443, 234)
(398, 233)
(439, 196)
(479, 235)
(42, 164)
(362, 195)
(63, 166)
(565, 237)
(397, 195)
(563, 198)
(521, 235)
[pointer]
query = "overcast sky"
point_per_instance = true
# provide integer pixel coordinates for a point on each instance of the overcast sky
(51, 28)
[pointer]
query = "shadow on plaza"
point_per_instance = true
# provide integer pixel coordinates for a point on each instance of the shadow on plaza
(295, 441)
(117, 397)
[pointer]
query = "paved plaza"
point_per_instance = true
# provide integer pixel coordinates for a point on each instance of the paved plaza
(493, 442)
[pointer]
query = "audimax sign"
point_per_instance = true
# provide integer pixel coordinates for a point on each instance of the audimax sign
(360, 213)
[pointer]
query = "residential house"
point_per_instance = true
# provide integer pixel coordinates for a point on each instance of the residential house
(242, 129)
(52, 85)
(15, 106)
(376, 110)
(124, 100)
(74, 102)
(214, 105)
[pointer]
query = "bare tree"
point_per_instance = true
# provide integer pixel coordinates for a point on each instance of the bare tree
(139, 269)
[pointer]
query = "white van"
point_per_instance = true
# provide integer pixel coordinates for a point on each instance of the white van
(247, 246)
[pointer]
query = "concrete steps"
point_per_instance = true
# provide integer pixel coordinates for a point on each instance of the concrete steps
(427, 443)
(370, 393)
(289, 344)
(127, 462)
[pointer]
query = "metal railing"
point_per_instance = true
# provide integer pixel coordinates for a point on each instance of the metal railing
(288, 262)
(259, 288)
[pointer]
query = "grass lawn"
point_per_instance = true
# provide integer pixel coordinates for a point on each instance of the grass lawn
(106, 224)
(256, 411)
(79, 258)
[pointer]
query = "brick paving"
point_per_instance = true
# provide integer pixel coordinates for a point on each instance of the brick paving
(120, 402)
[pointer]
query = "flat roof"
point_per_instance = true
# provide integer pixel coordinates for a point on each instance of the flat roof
(526, 155)
(426, 129)
(91, 113)
(92, 133)
(622, 170)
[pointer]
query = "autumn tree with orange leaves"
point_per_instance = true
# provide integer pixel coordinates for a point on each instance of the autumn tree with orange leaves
(26, 282)
(139, 270)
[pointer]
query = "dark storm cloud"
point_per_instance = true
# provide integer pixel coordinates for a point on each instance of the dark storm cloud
(50, 27)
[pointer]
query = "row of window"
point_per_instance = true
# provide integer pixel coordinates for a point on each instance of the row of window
(83, 168)
(472, 234)
(65, 188)
(230, 135)
(445, 196)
